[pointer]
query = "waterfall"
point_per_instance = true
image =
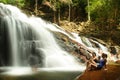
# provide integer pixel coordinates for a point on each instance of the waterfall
(23, 37)
(23, 31)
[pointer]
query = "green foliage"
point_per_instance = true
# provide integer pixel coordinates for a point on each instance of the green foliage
(102, 12)
(19, 3)
(7, 1)
(95, 4)
(106, 12)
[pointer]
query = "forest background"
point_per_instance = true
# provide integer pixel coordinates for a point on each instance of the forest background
(91, 18)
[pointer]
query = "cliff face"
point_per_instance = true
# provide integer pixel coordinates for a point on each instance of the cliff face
(111, 37)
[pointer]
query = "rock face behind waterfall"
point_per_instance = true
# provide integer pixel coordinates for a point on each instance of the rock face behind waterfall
(4, 56)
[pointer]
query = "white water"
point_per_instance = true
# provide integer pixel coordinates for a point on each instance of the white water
(23, 30)
(55, 56)
(14, 48)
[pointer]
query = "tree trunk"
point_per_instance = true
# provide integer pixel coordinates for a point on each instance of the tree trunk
(69, 13)
(58, 16)
(36, 7)
(88, 10)
(54, 17)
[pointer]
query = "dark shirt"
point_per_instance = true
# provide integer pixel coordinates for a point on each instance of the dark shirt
(101, 64)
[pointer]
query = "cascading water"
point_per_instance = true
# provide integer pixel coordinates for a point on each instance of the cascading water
(18, 32)
(23, 31)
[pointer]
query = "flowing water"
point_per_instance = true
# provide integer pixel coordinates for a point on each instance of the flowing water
(23, 30)
(18, 32)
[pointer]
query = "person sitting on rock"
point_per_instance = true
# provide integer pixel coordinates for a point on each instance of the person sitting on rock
(98, 65)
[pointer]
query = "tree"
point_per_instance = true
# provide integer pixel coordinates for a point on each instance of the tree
(88, 10)
(68, 2)
(114, 12)
(36, 3)
(105, 13)
(55, 5)
(52, 5)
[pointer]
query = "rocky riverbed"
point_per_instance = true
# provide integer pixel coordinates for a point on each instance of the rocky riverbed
(112, 73)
